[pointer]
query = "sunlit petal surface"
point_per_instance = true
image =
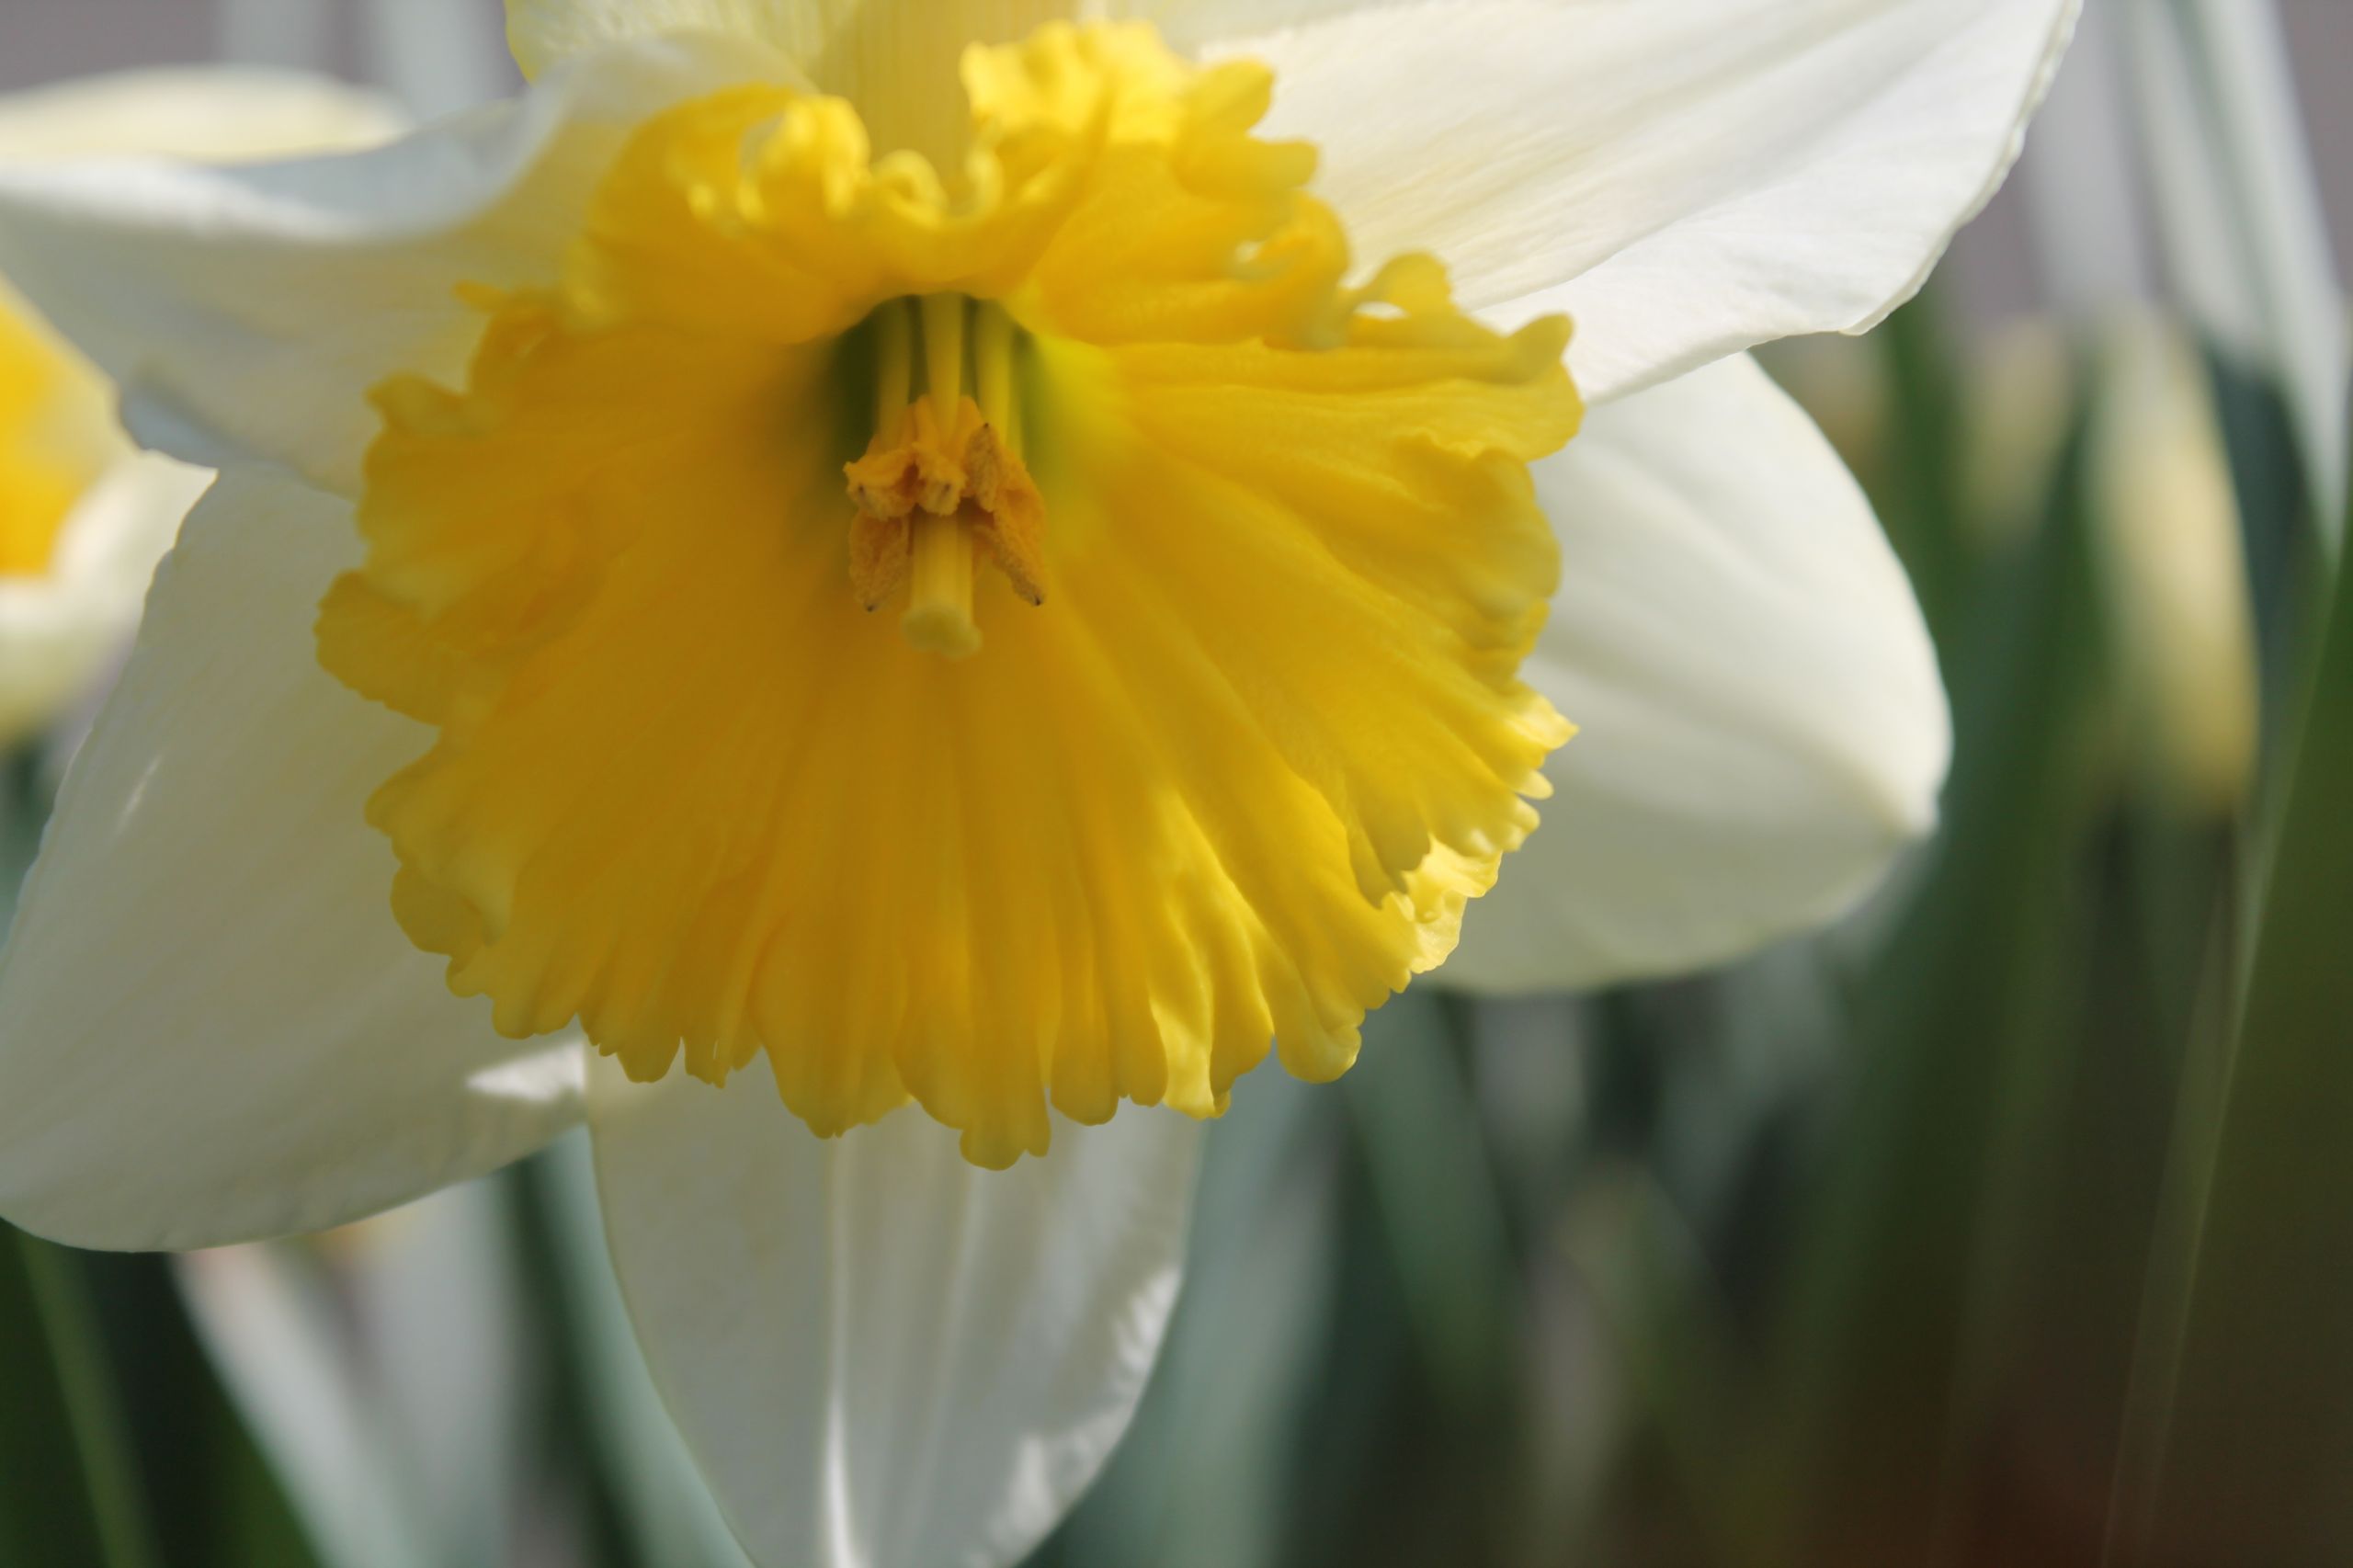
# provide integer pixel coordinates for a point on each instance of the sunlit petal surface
(1686, 178)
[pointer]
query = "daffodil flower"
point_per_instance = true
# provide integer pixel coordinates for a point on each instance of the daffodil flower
(870, 553)
(83, 514)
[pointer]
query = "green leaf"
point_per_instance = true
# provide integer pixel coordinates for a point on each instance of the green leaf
(1909, 1277)
(70, 1490)
(2245, 1439)
(1426, 1160)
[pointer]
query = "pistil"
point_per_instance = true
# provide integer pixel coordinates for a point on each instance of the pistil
(939, 588)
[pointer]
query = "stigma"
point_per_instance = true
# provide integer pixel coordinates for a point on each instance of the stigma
(942, 485)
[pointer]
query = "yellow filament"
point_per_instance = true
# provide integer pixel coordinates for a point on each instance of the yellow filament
(992, 367)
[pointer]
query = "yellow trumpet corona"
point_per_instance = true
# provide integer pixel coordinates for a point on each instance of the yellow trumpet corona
(1199, 719)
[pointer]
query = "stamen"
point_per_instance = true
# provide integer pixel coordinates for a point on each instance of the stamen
(942, 481)
(879, 537)
(993, 370)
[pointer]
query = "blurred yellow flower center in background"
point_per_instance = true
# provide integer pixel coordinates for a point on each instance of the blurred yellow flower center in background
(1195, 718)
(53, 411)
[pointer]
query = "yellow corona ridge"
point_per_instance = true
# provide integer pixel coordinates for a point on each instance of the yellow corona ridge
(1024, 639)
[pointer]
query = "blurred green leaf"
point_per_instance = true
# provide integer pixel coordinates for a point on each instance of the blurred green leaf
(1920, 493)
(68, 1486)
(2256, 1438)
(1426, 1159)
(2280, 553)
(1653, 1294)
(209, 1496)
(1916, 1254)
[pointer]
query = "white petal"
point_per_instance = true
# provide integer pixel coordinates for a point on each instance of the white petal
(882, 1356)
(245, 311)
(1763, 723)
(1685, 177)
(211, 1028)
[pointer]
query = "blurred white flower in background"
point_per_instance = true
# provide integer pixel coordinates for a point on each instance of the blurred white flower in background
(880, 1355)
(83, 514)
(2176, 210)
(381, 1367)
(2245, 241)
(84, 517)
(2177, 168)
